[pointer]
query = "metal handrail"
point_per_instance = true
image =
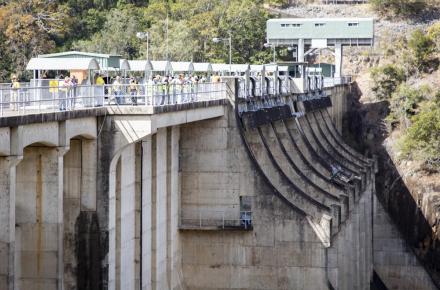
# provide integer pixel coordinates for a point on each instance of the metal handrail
(207, 219)
(59, 98)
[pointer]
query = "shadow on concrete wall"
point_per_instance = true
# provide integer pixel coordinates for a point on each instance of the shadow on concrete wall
(87, 250)
(365, 129)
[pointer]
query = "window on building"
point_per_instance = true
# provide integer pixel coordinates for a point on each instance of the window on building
(353, 24)
(296, 25)
(319, 24)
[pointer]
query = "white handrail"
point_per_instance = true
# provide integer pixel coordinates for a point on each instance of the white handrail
(19, 101)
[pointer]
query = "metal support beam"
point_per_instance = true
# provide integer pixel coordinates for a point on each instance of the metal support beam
(338, 60)
(300, 50)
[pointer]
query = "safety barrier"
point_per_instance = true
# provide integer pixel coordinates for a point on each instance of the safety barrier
(27, 99)
(211, 219)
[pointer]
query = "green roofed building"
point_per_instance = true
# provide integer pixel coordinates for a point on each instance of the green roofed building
(310, 34)
(106, 61)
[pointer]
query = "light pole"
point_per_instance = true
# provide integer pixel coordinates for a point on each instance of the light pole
(229, 39)
(272, 45)
(142, 36)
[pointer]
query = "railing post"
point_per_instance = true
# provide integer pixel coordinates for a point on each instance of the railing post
(200, 219)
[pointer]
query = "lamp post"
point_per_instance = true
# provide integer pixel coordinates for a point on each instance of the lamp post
(142, 36)
(229, 40)
(272, 45)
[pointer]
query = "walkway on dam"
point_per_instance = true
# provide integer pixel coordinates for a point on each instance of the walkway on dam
(36, 100)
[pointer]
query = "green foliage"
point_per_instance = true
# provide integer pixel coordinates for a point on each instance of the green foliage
(278, 3)
(386, 79)
(434, 34)
(118, 36)
(5, 59)
(29, 28)
(405, 102)
(110, 26)
(422, 141)
(422, 50)
(399, 8)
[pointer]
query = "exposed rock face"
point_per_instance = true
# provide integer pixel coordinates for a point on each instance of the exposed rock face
(410, 197)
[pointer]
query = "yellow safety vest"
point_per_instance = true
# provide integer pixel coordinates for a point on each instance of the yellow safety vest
(53, 86)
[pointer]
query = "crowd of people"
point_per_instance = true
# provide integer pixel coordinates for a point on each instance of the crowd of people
(163, 89)
(156, 90)
(65, 88)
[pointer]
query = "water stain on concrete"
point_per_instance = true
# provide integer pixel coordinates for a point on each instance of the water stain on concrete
(39, 211)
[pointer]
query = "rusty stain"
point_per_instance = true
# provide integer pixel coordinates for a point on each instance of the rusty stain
(39, 211)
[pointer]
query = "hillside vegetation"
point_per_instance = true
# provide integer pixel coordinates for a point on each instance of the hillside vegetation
(32, 27)
(414, 102)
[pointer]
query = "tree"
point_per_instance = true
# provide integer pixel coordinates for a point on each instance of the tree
(118, 36)
(386, 79)
(423, 51)
(422, 141)
(30, 27)
(405, 103)
(195, 23)
(434, 34)
(246, 21)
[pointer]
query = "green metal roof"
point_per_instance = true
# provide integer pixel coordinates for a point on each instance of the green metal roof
(105, 61)
(320, 28)
(78, 53)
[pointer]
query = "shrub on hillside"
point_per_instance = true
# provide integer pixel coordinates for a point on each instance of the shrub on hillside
(434, 34)
(386, 79)
(405, 103)
(399, 8)
(422, 140)
(423, 51)
(278, 3)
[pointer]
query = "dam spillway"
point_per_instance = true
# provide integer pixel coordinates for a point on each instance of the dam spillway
(244, 191)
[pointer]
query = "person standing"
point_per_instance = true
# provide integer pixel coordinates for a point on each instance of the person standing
(99, 90)
(181, 82)
(165, 90)
(134, 90)
(117, 90)
(15, 92)
(65, 89)
(73, 94)
(53, 90)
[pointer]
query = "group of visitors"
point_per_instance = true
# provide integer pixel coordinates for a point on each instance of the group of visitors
(65, 90)
(158, 89)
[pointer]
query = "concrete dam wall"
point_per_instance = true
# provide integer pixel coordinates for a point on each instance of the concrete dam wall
(232, 194)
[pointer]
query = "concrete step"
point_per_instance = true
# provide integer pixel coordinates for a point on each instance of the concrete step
(337, 136)
(294, 174)
(284, 188)
(336, 147)
(295, 154)
(336, 143)
(347, 161)
(320, 136)
(367, 164)
(318, 164)
(311, 137)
